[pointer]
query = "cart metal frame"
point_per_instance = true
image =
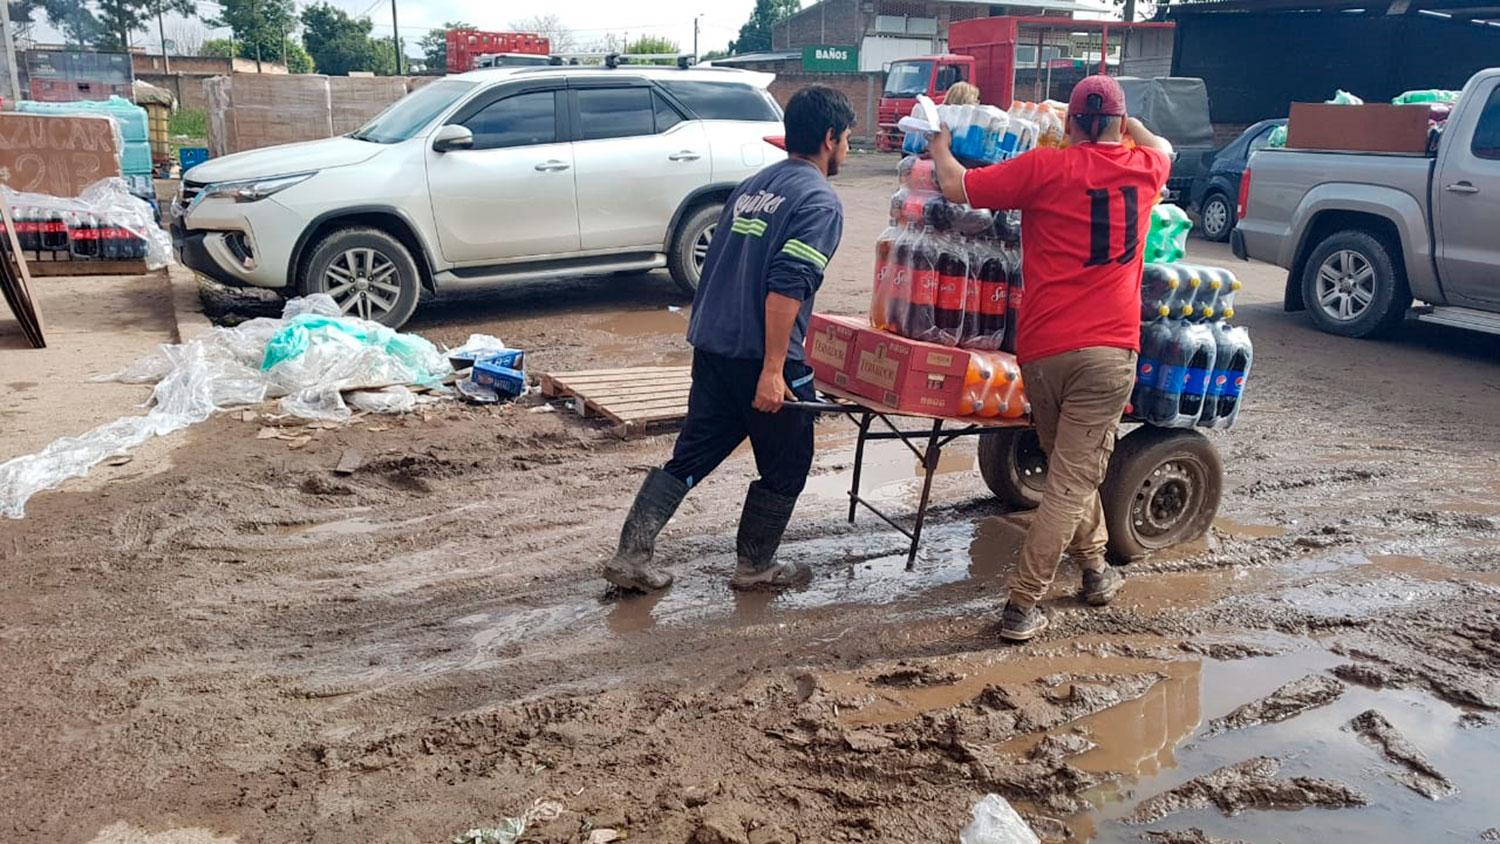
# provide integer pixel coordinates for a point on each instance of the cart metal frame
(926, 444)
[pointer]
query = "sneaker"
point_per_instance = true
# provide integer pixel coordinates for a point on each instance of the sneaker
(1019, 625)
(1099, 587)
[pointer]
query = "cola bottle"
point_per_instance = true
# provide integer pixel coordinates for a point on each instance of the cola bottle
(1156, 342)
(1162, 404)
(1233, 356)
(953, 276)
(1199, 340)
(898, 303)
(27, 236)
(1013, 298)
(921, 319)
(54, 232)
(978, 253)
(83, 242)
(994, 289)
(1160, 284)
(880, 299)
(898, 206)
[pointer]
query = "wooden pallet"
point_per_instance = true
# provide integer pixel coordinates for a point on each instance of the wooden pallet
(636, 400)
(49, 268)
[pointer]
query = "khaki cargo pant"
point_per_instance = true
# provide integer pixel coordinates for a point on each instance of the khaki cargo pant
(1076, 402)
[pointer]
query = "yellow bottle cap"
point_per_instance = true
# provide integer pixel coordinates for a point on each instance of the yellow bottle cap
(1194, 281)
(1228, 313)
(1164, 311)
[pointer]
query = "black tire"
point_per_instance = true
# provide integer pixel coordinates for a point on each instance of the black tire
(1389, 297)
(1162, 489)
(400, 285)
(1013, 466)
(693, 234)
(1217, 207)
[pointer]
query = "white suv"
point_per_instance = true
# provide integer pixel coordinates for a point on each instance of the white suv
(483, 177)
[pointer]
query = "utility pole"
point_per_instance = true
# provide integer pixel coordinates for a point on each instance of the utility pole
(284, 59)
(161, 32)
(10, 79)
(1129, 13)
(396, 37)
(695, 34)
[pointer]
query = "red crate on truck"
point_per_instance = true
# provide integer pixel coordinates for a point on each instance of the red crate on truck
(465, 46)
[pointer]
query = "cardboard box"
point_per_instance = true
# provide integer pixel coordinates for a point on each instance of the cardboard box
(1372, 127)
(56, 154)
(501, 379)
(895, 371)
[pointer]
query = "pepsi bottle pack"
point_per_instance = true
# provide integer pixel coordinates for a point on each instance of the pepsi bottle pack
(1193, 362)
(944, 272)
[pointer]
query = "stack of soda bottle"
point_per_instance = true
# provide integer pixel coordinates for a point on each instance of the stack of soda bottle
(984, 134)
(57, 234)
(1193, 363)
(950, 274)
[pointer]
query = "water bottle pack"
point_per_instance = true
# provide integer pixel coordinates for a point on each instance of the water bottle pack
(984, 134)
(945, 273)
(1193, 363)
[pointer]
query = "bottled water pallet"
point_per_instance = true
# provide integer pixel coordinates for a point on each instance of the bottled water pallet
(637, 399)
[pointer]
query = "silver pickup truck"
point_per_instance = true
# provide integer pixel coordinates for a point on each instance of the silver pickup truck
(1365, 235)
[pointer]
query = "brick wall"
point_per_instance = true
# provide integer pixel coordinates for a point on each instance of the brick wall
(145, 63)
(862, 89)
(828, 22)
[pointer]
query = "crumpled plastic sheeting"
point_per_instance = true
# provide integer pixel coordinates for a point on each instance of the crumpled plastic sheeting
(222, 369)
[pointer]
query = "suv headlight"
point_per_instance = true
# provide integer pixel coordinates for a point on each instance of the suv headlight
(250, 190)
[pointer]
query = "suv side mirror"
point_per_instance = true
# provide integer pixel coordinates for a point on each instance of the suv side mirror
(452, 137)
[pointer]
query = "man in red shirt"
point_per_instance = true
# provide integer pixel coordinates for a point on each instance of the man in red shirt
(1085, 212)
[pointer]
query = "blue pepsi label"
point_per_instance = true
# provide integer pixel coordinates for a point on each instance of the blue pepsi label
(1234, 385)
(1196, 382)
(1146, 372)
(1172, 378)
(1218, 381)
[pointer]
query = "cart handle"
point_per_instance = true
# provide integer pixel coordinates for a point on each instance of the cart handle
(823, 407)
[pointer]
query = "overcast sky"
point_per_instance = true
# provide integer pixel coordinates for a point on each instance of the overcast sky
(590, 19)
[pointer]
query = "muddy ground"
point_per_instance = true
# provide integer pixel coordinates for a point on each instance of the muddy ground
(233, 643)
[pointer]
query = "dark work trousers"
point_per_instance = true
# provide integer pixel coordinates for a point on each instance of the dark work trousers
(720, 416)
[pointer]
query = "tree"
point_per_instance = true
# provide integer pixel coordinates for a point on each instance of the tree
(713, 54)
(1152, 8)
(222, 48)
(337, 42)
(652, 44)
(755, 35)
(434, 45)
(101, 24)
(550, 25)
(260, 27)
(385, 57)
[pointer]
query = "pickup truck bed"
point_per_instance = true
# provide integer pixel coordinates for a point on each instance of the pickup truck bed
(1363, 235)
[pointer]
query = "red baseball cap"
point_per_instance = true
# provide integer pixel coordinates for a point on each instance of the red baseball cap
(1097, 94)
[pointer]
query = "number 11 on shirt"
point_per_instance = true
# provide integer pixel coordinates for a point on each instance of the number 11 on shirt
(1100, 229)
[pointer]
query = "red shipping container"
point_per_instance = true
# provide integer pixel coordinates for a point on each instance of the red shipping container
(900, 373)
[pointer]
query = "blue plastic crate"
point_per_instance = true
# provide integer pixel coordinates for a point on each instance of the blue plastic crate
(190, 157)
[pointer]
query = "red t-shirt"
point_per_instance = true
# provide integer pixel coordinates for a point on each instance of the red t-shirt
(1085, 210)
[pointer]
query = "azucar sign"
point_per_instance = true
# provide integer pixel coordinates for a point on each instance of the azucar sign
(828, 58)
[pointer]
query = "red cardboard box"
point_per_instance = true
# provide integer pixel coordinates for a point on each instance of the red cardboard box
(893, 370)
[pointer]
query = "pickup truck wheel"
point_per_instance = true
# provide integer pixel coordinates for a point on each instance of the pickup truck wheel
(1353, 288)
(1218, 218)
(369, 273)
(690, 245)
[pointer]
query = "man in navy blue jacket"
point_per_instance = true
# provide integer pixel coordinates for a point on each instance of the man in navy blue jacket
(777, 233)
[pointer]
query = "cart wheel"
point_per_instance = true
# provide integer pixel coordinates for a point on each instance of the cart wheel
(1162, 489)
(1013, 466)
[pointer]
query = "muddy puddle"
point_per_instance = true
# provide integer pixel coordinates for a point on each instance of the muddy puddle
(622, 335)
(1146, 741)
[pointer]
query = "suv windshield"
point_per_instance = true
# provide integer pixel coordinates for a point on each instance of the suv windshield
(408, 115)
(908, 79)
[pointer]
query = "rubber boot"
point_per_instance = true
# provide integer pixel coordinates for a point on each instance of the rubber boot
(762, 523)
(631, 568)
